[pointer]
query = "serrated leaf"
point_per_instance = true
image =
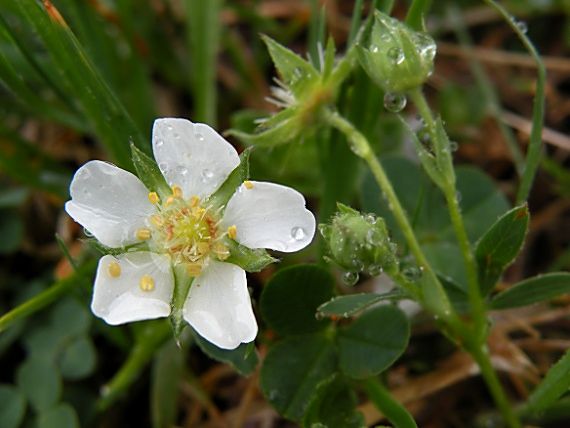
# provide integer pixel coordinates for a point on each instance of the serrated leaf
(149, 173)
(500, 245)
(293, 369)
(333, 406)
(167, 371)
(243, 359)
(346, 306)
(39, 380)
(290, 299)
(373, 342)
(555, 383)
(12, 406)
(249, 259)
(60, 416)
(533, 290)
(240, 173)
(299, 75)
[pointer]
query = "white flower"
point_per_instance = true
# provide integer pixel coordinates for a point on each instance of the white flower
(183, 230)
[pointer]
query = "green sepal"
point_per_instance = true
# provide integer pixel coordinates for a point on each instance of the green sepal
(243, 359)
(249, 259)
(240, 173)
(299, 75)
(103, 249)
(500, 246)
(182, 284)
(148, 172)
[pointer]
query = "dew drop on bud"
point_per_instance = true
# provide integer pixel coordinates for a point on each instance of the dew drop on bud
(350, 278)
(394, 102)
(396, 55)
(298, 233)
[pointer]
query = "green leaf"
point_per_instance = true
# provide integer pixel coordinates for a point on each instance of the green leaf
(299, 75)
(533, 290)
(167, 371)
(240, 173)
(60, 416)
(290, 299)
(500, 246)
(39, 380)
(333, 406)
(249, 259)
(78, 359)
(293, 369)
(70, 309)
(555, 383)
(243, 359)
(12, 406)
(346, 306)
(373, 342)
(149, 173)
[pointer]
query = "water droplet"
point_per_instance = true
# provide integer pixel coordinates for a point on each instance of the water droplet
(374, 48)
(426, 46)
(394, 102)
(370, 218)
(396, 55)
(182, 170)
(169, 127)
(453, 146)
(159, 143)
(375, 270)
(412, 273)
(87, 233)
(350, 278)
(199, 136)
(298, 233)
(207, 175)
(522, 26)
(163, 166)
(458, 196)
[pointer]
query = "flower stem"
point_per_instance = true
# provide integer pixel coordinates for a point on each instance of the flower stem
(383, 400)
(435, 297)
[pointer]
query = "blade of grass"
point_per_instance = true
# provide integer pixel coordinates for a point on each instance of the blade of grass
(203, 33)
(416, 14)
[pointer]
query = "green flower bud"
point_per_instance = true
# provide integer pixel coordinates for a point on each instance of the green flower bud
(359, 243)
(396, 57)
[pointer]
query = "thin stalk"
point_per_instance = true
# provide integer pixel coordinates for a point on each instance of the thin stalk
(533, 154)
(361, 147)
(355, 21)
(383, 400)
(481, 355)
(450, 193)
(44, 298)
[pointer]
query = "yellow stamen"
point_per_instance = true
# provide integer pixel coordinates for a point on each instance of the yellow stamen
(143, 234)
(203, 247)
(114, 269)
(221, 251)
(153, 198)
(194, 201)
(156, 220)
(194, 269)
(176, 191)
(169, 201)
(197, 212)
(232, 231)
(248, 184)
(146, 283)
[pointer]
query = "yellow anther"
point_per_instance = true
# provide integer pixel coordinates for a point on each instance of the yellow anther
(248, 184)
(203, 247)
(143, 234)
(197, 212)
(153, 198)
(194, 201)
(177, 191)
(194, 269)
(232, 231)
(114, 269)
(221, 251)
(156, 220)
(146, 283)
(169, 201)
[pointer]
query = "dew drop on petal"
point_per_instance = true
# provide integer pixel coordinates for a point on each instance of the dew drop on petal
(199, 136)
(87, 233)
(159, 143)
(298, 233)
(163, 166)
(182, 170)
(169, 127)
(207, 175)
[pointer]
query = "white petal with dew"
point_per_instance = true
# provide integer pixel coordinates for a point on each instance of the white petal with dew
(192, 156)
(109, 202)
(269, 215)
(117, 295)
(218, 306)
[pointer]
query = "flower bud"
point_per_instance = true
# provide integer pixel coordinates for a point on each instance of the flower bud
(359, 243)
(396, 57)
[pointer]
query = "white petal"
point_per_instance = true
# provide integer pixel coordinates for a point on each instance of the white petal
(120, 299)
(192, 155)
(270, 216)
(109, 202)
(218, 306)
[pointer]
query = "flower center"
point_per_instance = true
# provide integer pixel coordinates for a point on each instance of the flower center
(187, 230)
